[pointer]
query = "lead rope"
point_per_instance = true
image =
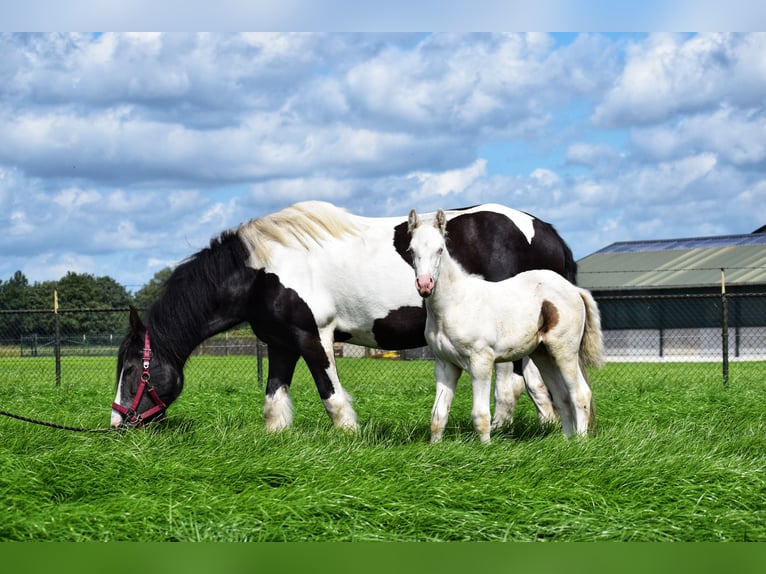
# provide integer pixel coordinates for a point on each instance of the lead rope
(57, 426)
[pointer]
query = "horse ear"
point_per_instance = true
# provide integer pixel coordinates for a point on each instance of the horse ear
(440, 221)
(135, 320)
(412, 221)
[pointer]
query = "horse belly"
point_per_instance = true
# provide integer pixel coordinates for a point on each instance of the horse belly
(375, 302)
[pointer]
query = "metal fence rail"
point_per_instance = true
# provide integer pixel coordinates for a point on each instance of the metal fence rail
(702, 331)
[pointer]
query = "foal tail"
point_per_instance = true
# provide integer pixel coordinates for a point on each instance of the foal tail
(592, 344)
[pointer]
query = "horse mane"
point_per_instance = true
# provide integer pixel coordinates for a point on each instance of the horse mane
(298, 226)
(179, 315)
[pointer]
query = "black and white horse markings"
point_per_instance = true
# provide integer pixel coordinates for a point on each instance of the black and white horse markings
(473, 324)
(313, 274)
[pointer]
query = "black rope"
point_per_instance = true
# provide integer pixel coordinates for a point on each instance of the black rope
(54, 425)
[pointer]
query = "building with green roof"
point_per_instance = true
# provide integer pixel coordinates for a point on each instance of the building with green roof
(663, 298)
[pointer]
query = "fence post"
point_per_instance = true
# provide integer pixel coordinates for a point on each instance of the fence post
(57, 341)
(724, 329)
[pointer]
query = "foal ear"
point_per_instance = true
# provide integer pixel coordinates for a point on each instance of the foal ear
(440, 221)
(412, 220)
(136, 325)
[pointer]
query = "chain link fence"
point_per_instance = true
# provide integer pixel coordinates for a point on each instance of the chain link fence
(708, 334)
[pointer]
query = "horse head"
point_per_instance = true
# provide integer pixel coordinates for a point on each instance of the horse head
(147, 382)
(427, 245)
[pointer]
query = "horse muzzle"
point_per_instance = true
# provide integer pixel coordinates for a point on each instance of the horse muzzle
(424, 285)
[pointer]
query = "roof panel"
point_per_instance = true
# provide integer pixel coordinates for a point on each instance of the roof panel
(684, 243)
(697, 266)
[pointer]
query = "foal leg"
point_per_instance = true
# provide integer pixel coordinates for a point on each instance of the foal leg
(538, 392)
(558, 388)
(580, 392)
(508, 386)
(446, 375)
(481, 379)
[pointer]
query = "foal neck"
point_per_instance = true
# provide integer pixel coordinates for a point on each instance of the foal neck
(449, 285)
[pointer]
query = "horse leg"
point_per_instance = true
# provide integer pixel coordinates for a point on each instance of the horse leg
(337, 402)
(481, 381)
(277, 406)
(554, 381)
(447, 376)
(538, 392)
(509, 385)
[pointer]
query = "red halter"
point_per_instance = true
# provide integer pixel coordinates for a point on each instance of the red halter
(130, 415)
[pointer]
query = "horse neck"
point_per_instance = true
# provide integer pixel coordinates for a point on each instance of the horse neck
(181, 319)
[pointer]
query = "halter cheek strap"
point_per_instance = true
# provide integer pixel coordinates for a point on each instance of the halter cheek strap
(131, 417)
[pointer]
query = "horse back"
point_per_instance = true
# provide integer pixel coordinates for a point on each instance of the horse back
(494, 245)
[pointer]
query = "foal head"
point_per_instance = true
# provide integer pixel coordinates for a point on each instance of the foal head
(427, 245)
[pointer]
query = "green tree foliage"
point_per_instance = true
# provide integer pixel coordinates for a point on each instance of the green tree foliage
(152, 290)
(14, 293)
(75, 291)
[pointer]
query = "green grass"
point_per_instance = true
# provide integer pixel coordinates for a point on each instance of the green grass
(675, 458)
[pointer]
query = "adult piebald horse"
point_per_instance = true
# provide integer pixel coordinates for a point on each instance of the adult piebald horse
(310, 275)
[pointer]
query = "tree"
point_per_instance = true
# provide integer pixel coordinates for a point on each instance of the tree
(152, 290)
(84, 291)
(75, 291)
(14, 293)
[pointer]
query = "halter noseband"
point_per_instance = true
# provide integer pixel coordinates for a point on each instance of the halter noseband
(131, 417)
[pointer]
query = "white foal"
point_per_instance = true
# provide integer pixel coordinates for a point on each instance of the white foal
(473, 324)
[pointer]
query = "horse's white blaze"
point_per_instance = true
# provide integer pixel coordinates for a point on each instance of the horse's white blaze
(116, 419)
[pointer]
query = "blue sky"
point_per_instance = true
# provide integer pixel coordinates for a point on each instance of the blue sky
(124, 153)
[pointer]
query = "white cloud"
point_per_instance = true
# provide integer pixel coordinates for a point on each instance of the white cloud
(54, 265)
(73, 198)
(286, 191)
(591, 155)
(151, 144)
(735, 135)
(671, 73)
(451, 182)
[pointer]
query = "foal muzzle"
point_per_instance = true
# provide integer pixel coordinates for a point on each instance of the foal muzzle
(424, 285)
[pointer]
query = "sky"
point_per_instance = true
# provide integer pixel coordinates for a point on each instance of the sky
(123, 153)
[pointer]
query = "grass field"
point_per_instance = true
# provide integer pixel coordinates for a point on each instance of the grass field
(675, 458)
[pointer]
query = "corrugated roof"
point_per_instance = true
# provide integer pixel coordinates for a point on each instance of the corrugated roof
(688, 262)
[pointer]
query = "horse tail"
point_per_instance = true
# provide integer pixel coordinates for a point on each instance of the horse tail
(592, 344)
